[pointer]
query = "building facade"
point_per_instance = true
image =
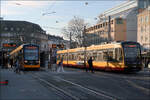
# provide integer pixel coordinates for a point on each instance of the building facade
(15, 33)
(99, 33)
(116, 24)
(123, 24)
(144, 28)
(21, 32)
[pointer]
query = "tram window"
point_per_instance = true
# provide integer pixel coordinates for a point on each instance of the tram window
(110, 55)
(65, 56)
(105, 55)
(69, 56)
(88, 55)
(95, 56)
(100, 57)
(73, 56)
(118, 54)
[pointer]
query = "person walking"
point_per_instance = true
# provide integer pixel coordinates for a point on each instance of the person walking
(60, 66)
(90, 62)
(17, 69)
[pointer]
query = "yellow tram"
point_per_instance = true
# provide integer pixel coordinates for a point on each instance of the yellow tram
(115, 56)
(28, 56)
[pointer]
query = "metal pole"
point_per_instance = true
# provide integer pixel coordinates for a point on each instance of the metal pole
(84, 44)
(109, 28)
(70, 40)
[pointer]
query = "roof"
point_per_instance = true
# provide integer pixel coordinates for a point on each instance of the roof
(120, 8)
(28, 26)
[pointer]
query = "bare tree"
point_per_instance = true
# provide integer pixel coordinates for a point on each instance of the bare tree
(75, 30)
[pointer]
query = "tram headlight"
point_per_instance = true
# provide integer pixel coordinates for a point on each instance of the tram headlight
(25, 61)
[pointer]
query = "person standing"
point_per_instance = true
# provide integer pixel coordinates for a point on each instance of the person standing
(90, 62)
(11, 63)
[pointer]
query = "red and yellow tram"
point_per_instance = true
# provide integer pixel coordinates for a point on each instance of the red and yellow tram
(115, 56)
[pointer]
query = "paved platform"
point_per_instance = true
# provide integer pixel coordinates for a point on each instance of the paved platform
(22, 87)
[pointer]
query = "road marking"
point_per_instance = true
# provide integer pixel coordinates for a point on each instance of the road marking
(139, 87)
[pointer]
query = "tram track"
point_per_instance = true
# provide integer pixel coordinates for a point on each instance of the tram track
(60, 91)
(84, 90)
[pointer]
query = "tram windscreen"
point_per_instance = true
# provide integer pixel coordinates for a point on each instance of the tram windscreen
(131, 52)
(31, 53)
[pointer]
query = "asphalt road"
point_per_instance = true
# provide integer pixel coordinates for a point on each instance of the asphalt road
(77, 84)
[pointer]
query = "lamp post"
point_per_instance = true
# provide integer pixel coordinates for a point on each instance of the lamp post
(84, 45)
(109, 28)
(70, 40)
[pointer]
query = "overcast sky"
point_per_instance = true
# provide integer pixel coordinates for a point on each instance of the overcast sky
(52, 16)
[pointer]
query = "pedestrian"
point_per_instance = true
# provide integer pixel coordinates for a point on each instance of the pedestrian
(60, 66)
(11, 63)
(17, 69)
(90, 62)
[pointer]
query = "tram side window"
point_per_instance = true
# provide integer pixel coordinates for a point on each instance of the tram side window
(110, 54)
(70, 57)
(64, 58)
(105, 55)
(78, 56)
(95, 56)
(73, 57)
(81, 56)
(118, 54)
(100, 56)
(88, 55)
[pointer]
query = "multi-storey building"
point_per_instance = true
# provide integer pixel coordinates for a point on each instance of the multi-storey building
(19, 32)
(144, 28)
(122, 26)
(99, 32)
(15, 33)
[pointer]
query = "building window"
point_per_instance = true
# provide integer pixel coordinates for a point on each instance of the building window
(119, 21)
(112, 22)
(141, 20)
(146, 19)
(103, 24)
(18, 29)
(141, 38)
(11, 28)
(106, 23)
(5, 28)
(141, 29)
(146, 38)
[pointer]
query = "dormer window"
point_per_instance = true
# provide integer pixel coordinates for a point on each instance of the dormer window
(18, 29)
(11, 28)
(5, 28)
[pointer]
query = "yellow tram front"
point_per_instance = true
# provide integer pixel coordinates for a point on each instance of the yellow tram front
(132, 56)
(31, 56)
(28, 56)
